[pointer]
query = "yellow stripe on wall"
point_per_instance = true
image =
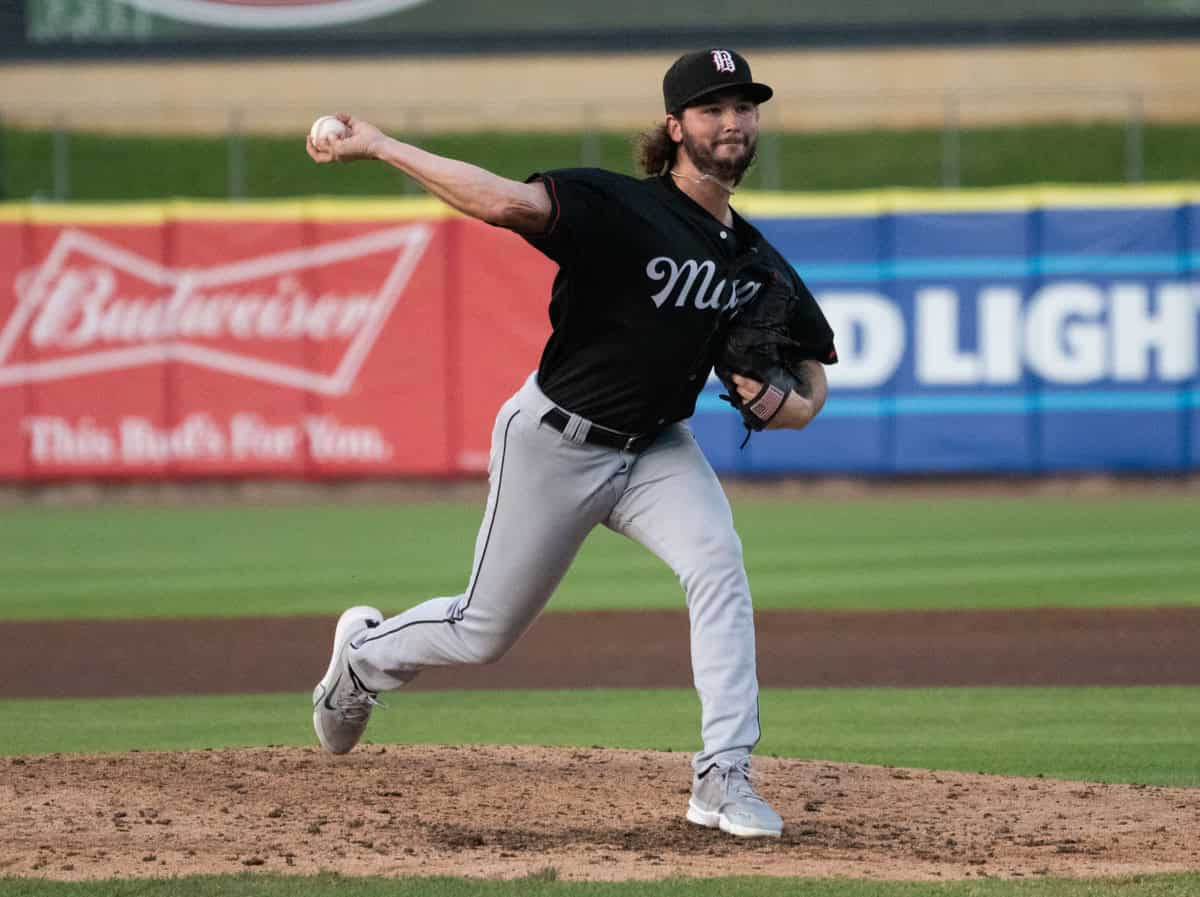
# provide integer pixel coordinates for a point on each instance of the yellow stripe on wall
(756, 204)
(155, 212)
(1000, 199)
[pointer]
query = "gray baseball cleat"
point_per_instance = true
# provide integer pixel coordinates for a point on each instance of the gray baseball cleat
(341, 703)
(722, 797)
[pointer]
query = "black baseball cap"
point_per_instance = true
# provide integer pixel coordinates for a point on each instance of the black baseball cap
(695, 75)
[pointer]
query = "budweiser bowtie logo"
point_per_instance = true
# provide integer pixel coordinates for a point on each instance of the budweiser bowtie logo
(93, 306)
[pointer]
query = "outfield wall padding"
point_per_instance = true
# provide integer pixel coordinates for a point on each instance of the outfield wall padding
(1028, 331)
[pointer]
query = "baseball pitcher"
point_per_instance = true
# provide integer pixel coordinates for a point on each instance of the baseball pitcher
(654, 275)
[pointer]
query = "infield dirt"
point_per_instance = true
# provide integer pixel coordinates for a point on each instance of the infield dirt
(613, 649)
(589, 814)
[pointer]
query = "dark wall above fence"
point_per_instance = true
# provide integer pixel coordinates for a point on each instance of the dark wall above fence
(133, 29)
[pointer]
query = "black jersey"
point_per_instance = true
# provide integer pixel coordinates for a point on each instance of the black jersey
(644, 272)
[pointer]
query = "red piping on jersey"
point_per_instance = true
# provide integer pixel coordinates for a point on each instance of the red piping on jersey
(557, 207)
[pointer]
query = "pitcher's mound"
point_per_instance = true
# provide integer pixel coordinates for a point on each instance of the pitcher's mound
(586, 814)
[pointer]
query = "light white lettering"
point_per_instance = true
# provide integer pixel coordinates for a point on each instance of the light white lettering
(682, 278)
(713, 299)
(1136, 332)
(743, 292)
(870, 337)
(942, 361)
(328, 440)
(68, 302)
(53, 440)
(252, 438)
(82, 308)
(196, 437)
(1065, 333)
(1000, 334)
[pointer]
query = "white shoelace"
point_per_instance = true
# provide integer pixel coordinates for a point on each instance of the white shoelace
(355, 707)
(737, 780)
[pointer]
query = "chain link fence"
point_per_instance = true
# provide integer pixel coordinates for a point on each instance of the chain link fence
(933, 138)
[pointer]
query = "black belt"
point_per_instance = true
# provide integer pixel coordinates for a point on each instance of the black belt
(598, 435)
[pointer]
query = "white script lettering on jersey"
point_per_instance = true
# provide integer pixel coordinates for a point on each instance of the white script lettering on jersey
(692, 281)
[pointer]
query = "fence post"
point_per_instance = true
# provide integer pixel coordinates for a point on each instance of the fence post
(591, 155)
(951, 143)
(770, 165)
(61, 153)
(1135, 168)
(235, 157)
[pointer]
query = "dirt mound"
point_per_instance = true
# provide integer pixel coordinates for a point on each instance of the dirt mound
(589, 814)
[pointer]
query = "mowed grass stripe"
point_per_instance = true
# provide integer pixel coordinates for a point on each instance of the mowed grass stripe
(1045, 583)
(545, 884)
(124, 560)
(982, 549)
(989, 548)
(1146, 580)
(1132, 735)
(114, 562)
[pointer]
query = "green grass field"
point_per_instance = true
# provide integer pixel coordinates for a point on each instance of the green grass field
(148, 167)
(896, 553)
(1142, 735)
(114, 562)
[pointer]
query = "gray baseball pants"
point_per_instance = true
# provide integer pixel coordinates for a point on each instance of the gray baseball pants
(547, 492)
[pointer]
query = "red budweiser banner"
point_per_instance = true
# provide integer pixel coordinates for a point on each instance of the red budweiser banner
(303, 340)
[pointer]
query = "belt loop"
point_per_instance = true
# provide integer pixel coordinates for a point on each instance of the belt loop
(576, 429)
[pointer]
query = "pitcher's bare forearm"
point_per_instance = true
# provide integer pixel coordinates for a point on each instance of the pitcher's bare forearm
(806, 400)
(472, 190)
(812, 384)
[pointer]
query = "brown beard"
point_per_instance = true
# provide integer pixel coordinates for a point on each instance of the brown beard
(732, 170)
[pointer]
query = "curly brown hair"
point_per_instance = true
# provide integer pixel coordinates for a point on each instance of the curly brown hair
(655, 150)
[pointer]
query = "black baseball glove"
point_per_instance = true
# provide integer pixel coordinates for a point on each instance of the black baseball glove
(767, 339)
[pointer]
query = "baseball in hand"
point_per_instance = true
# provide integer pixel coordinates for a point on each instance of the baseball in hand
(325, 130)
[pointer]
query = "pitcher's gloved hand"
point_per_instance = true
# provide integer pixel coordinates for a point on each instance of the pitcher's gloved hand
(767, 339)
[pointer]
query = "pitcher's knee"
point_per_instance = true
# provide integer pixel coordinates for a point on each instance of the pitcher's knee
(716, 557)
(719, 570)
(487, 649)
(492, 652)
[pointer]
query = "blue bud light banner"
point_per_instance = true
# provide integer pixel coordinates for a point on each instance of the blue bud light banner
(1009, 332)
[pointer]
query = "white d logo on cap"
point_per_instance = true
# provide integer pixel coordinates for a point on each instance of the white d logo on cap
(723, 62)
